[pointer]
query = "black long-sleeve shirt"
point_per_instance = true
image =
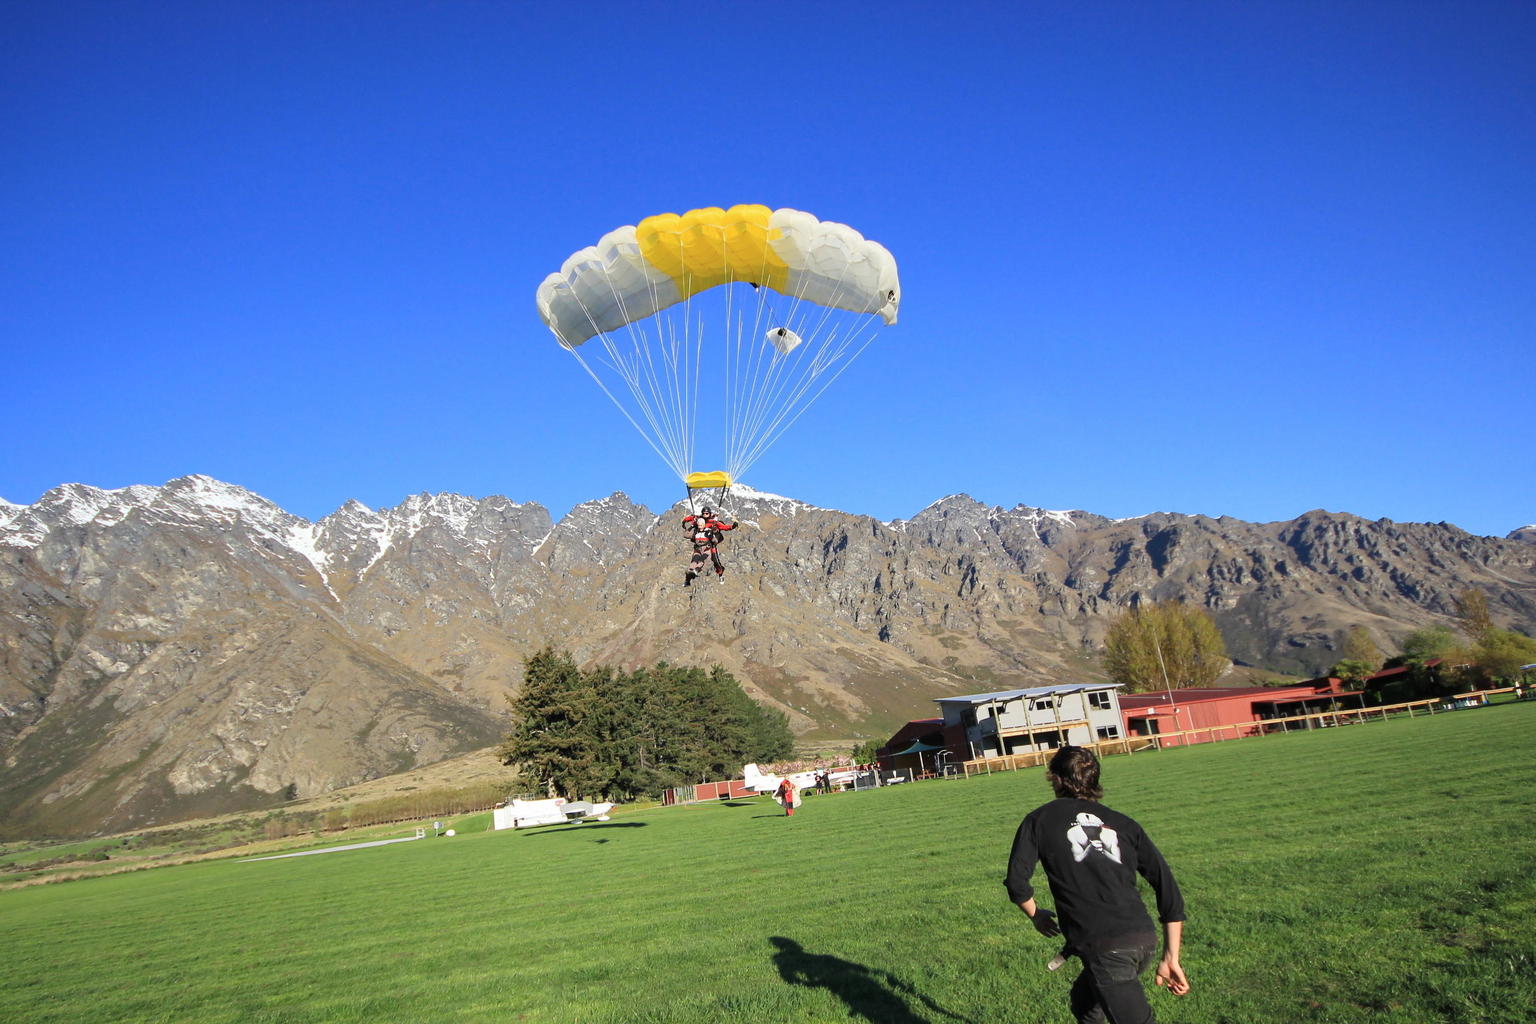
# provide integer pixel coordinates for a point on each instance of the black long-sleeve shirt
(1092, 856)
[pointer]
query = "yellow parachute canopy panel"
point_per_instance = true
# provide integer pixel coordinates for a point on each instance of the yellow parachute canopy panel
(703, 481)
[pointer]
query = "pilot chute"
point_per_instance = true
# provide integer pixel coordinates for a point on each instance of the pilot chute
(783, 339)
(669, 317)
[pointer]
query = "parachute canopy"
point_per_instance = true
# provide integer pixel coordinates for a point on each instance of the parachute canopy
(636, 270)
(720, 323)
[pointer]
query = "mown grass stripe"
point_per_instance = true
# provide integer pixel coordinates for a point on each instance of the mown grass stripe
(1382, 873)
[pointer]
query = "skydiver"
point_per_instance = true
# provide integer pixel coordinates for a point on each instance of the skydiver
(706, 532)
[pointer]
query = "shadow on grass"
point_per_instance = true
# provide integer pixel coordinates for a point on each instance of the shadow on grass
(590, 827)
(870, 994)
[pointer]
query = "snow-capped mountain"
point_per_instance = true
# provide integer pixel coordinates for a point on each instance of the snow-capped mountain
(190, 647)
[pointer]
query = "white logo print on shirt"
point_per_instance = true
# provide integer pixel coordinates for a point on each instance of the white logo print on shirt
(1090, 834)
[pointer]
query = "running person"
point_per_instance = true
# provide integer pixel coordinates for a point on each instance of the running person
(1092, 856)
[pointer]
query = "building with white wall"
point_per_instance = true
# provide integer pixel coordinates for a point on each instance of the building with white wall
(1033, 720)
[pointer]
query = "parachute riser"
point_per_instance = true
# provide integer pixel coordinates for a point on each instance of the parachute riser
(713, 497)
(710, 489)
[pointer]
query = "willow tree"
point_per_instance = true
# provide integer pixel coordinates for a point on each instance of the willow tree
(1166, 645)
(1472, 610)
(1361, 657)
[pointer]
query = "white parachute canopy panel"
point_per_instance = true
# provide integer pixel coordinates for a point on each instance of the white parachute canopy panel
(665, 316)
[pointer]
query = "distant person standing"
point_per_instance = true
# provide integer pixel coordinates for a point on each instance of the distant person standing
(1091, 856)
(788, 795)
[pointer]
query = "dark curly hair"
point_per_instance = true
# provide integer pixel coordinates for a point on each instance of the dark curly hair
(1074, 771)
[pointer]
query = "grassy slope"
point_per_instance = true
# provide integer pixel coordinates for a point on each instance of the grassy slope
(1384, 872)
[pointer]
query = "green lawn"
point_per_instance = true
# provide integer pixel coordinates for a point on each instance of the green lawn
(1382, 872)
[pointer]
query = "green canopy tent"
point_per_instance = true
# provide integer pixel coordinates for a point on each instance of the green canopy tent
(918, 747)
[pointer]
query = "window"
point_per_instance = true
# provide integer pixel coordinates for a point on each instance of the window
(1099, 699)
(1043, 704)
(1108, 732)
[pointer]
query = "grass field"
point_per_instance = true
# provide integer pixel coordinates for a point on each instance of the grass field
(1382, 872)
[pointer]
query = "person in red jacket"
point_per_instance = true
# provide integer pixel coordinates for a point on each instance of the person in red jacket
(787, 795)
(706, 532)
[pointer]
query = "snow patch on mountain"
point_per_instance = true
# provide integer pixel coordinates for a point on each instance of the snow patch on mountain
(69, 505)
(777, 504)
(304, 538)
(419, 510)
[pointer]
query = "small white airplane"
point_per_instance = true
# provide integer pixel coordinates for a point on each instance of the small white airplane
(760, 782)
(559, 811)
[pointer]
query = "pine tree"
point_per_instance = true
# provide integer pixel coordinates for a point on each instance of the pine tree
(612, 734)
(551, 739)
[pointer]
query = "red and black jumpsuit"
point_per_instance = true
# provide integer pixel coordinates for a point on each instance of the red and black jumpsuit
(706, 533)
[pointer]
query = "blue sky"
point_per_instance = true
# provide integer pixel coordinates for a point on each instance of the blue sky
(1246, 259)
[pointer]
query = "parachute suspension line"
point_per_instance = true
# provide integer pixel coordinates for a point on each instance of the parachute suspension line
(782, 424)
(674, 358)
(621, 407)
(746, 377)
(617, 364)
(695, 384)
(732, 360)
(763, 384)
(829, 353)
(639, 373)
(849, 345)
(774, 384)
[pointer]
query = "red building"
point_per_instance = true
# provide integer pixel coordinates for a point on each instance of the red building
(923, 745)
(1229, 712)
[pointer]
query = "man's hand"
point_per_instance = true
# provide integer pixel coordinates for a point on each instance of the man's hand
(1045, 923)
(1171, 976)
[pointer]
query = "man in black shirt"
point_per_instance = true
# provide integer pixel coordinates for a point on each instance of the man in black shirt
(1091, 856)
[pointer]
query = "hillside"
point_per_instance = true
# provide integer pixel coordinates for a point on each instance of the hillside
(193, 648)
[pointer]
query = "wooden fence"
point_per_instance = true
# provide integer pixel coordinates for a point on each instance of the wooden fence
(1244, 730)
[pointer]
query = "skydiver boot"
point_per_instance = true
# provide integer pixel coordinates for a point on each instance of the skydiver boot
(688, 575)
(720, 576)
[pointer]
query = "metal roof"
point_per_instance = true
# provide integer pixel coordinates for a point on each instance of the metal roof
(1315, 696)
(1038, 691)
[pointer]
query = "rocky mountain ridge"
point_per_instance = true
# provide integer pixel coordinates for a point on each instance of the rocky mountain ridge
(194, 647)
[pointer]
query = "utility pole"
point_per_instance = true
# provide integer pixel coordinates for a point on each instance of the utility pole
(1157, 645)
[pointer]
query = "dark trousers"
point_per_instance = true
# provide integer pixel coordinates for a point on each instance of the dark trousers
(702, 558)
(1110, 986)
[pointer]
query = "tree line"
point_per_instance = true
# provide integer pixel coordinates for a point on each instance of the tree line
(606, 734)
(1441, 661)
(1171, 645)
